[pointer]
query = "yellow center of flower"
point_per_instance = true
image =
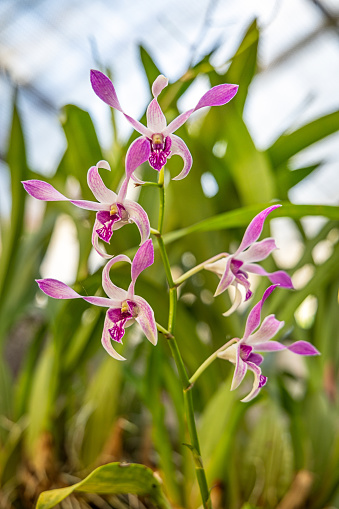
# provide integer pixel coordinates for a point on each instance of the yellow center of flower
(113, 210)
(157, 139)
(124, 307)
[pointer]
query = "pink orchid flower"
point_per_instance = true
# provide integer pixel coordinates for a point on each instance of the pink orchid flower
(158, 142)
(234, 269)
(113, 211)
(243, 355)
(124, 307)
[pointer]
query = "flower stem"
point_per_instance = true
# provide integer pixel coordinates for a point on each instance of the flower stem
(169, 334)
(209, 361)
(198, 268)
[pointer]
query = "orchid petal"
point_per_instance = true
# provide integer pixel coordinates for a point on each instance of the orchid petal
(240, 370)
(104, 89)
(254, 229)
(253, 319)
(177, 122)
(139, 217)
(279, 277)
(218, 267)
(217, 96)
(97, 186)
(259, 382)
(268, 329)
(227, 278)
(179, 148)
(58, 290)
(107, 342)
(138, 152)
(144, 257)
(236, 303)
(303, 348)
(270, 346)
(146, 320)
(158, 85)
(43, 191)
(89, 205)
(258, 251)
(156, 120)
(110, 289)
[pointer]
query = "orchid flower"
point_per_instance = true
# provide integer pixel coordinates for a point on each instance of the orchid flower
(158, 142)
(243, 352)
(233, 269)
(124, 307)
(113, 211)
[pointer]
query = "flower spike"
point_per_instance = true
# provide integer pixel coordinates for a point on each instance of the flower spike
(243, 354)
(124, 307)
(161, 142)
(113, 211)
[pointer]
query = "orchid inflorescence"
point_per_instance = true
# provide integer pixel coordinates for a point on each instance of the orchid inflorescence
(114, 210)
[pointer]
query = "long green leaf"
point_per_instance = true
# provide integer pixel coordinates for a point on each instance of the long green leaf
(112, 479)
(290, 144)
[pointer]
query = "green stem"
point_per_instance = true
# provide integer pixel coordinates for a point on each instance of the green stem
(169, 334)
(198, 268)
(209, 361)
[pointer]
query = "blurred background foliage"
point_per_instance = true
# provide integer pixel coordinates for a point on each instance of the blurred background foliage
(66, 407)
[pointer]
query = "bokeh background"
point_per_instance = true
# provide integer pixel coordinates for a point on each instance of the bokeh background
(65, 407)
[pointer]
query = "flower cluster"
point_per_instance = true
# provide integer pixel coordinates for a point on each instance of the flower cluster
(114, 210)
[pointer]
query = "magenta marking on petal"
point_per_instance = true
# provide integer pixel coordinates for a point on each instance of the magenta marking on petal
(160, 153)
(103, 87)
(217, 96)
(256, 358)
(117, 331)
(105, 233)
(262, 381)
(245, 351)
(144, 258)
(103, 216)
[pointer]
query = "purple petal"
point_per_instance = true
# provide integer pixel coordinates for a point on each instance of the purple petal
(179, 148)
(217, 96)
(57, 289)
(107, 343)
(256, 358)
(268, 329)
(158, 85)
(240, 370)
(114, 292)
(253, 319)
(104, 89)
(146, 320)
(144, 257)
(227, 278)
(139, 217)
(270, 346)
(254, 229)
(138, 152)
(177, 122)
(280, 277)
(156, 120)
(97, 186)
(43, 191)
(258, 251)
(303, 348)
(259, 382)
(89, 205)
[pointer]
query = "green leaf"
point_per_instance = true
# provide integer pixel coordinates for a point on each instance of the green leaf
(151, 70)
(242, 217)
(16, 159)
(112, 479)
(290, 144)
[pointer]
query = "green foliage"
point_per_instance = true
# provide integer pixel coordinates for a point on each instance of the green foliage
(66, 408)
